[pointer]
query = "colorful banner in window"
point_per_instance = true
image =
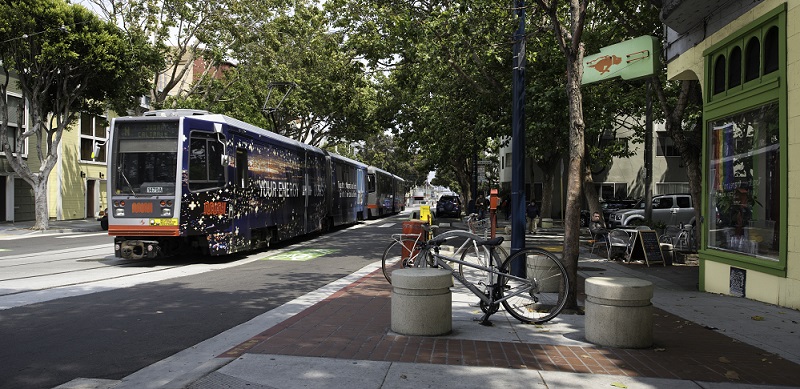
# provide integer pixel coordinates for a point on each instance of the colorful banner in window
(722, 149)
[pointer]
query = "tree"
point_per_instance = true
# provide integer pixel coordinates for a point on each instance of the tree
(385, 152)
(65, 60)
(568, 38)
(447, 85)
(680, 101)
(181, 31)
(331, 100)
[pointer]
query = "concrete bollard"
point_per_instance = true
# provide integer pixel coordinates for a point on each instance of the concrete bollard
(422, 303)
(619, 312)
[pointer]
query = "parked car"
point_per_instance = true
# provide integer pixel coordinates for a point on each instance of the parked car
(608, 207)
(448, 206)
(671, 209)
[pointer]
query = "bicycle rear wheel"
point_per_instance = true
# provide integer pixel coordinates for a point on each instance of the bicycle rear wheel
(540, 293)
(400, 254)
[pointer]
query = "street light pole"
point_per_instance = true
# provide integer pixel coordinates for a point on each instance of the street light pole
(518, 141)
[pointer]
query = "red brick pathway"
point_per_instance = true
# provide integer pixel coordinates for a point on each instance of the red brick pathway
(355, 323)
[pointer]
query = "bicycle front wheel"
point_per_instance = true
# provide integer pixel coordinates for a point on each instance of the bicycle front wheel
(539, 293)
(480, 256)
(400, 254)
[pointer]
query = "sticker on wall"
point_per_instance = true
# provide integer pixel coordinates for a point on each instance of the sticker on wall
(300, 255)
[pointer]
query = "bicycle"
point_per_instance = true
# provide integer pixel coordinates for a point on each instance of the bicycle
(535, 297)
(483, 227)
(681, 237)
(478, 226)
(404, 251)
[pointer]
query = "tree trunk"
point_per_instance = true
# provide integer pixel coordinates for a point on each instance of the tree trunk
(573, 53)
(42, 209)
(589, 191)
(572, 227)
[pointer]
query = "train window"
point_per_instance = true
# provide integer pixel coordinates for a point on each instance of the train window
(205, 162)
(371, 183)
(145, 158)
(241, 167)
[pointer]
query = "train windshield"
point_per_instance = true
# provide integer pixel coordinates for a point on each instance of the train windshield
(146, 158)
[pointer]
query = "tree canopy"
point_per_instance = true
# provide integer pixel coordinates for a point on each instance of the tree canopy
(64, 60)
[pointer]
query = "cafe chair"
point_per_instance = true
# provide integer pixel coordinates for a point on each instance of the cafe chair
(620, 244)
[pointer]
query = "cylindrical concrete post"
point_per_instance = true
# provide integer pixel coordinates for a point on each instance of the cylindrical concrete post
(619, 312)
(422, 303)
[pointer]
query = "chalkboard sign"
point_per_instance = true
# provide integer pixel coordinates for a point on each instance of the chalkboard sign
(647, 244)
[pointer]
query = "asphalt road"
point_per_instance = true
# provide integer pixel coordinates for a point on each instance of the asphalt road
(114, 333)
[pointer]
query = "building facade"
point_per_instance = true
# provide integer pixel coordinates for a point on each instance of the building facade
(77, 184)
(16, 196)
(745, 55)
(624, 178)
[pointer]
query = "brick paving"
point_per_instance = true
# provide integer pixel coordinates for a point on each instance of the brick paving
(355, 323)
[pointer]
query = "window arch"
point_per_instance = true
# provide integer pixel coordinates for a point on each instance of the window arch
(752, 59)
(735, 67)
(771, 50)
(719, 75)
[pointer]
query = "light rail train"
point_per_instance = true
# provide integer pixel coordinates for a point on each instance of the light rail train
(182, 180)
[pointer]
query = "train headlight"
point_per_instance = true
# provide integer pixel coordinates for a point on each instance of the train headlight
(166, 211)
(119, 212)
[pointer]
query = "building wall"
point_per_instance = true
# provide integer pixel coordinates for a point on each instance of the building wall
(76, 187)
(776, 282)
(627, 171)
(65, 185)
(18, 195)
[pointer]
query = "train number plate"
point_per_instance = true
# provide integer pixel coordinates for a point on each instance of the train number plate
(163, 222)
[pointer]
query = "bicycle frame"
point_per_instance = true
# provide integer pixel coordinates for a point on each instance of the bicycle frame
(441, 261)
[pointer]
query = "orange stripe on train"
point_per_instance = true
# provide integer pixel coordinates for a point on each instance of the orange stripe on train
(144, 230)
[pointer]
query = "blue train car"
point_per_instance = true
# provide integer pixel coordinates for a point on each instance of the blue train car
(348, 195)
(386, 193)
(190, 180)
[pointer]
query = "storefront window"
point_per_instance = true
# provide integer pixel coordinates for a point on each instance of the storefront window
(744, 182)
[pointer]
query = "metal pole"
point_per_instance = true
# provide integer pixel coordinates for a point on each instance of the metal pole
(648, 154)
(518, 142)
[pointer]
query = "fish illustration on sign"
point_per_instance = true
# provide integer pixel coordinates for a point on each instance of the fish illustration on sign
(632, 59)
(603, 64)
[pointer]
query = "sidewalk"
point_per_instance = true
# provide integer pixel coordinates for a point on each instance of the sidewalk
(54, 227)
(341, 338)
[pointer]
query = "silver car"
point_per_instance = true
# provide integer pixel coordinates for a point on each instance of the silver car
(672, 209)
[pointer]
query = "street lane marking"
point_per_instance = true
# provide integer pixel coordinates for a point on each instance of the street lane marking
(300, 255)
(82, 235)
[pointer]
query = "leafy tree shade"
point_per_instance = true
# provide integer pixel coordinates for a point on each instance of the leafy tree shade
(333, 99)
(180, 31)
(65, 60)
(445, 86)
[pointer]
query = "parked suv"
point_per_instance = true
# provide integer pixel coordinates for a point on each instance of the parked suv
(448, 206)
(672, 209)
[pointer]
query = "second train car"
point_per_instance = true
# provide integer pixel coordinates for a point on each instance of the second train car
(189, 180)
